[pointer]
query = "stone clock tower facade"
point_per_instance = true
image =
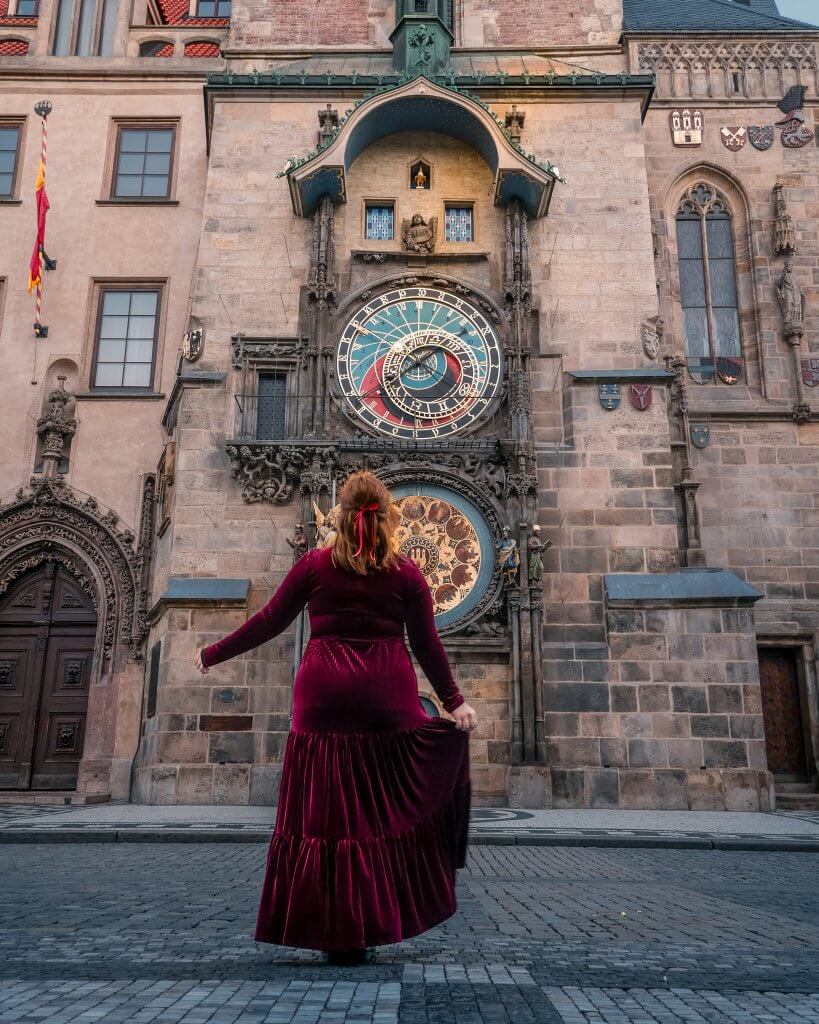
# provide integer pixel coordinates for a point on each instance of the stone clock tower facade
(445, 272)
(548, 269)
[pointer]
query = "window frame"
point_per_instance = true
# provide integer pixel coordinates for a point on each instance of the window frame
(378, 202)
(197, 14)
(96, 38)
(13, 196)
(124, 389)
(461, 204)
(36, 13)
(285, 376)
(702, 211)
(123, 124)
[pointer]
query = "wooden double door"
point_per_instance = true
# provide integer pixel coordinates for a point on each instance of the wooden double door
(47, 631)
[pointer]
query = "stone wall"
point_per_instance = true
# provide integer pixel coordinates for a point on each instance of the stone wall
(538, 22)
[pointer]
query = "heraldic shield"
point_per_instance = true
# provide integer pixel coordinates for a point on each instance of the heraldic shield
(641, 395)
(700, 435)
(810, 372)
(761, 136)
(609, 395)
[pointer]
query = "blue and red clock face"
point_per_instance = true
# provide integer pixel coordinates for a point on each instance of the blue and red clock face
(419, 363)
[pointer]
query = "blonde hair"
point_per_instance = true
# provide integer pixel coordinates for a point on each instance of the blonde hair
(366, 525)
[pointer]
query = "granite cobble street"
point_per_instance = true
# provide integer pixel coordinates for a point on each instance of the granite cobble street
(160, 933)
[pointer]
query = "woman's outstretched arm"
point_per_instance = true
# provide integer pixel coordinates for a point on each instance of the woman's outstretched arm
(426, 644)
(269, 621)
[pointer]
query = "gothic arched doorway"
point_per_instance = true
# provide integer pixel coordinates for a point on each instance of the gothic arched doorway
(48, 627)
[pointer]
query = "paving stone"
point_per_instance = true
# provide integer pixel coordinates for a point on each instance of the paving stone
(138, 934)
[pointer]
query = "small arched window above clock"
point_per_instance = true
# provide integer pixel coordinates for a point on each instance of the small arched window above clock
(420, 175)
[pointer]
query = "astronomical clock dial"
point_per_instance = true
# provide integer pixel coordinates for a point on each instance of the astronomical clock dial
(450, 542)
(419, 363)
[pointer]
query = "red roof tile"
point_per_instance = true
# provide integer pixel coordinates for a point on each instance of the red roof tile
(173, 11)
(201, 49)
(13, 47)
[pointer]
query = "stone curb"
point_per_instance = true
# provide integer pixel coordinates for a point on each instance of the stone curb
(784, 844)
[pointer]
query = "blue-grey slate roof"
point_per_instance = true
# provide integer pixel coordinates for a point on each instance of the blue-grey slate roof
(706, 16)
(191, 589)
(643, 373)
(688, 585)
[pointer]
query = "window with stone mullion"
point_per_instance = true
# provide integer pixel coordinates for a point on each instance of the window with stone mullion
(708, 290)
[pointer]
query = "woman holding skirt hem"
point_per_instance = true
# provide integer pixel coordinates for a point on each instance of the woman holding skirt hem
(374, 797)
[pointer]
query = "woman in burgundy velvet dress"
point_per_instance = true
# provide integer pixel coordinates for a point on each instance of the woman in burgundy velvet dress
(374, 796)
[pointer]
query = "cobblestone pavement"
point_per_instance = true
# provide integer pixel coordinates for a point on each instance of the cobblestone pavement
(160, 933)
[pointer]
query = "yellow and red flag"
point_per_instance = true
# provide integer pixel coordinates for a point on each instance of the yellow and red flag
(36, 265)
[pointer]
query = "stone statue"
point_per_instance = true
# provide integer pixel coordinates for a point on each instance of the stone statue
(299, 542)
(325, 526)
(789, 295)
(418, 235)
(509, 558)
(535, 548)
(56, 426)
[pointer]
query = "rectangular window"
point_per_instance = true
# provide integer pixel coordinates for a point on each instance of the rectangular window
(9, 150)
(458, 224)
(93, 33)
(213, 9)
(379, 222)
(62, 33)
(272, 406)
(26, 8)
(126, 338)
(143, 164)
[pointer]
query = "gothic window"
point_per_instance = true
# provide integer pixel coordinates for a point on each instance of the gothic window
(272, 406)
(458, 224)
(143, 163)
(379, 222)
(9, 156)
(126, 338)
(708, 288)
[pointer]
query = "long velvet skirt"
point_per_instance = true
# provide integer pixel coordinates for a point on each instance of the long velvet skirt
(373, 809)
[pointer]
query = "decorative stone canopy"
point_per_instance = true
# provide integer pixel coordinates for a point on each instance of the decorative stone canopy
(421, 105)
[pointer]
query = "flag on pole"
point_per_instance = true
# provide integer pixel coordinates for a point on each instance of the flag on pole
(35, 267)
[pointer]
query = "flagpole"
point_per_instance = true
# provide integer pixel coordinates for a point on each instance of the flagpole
(43, 108)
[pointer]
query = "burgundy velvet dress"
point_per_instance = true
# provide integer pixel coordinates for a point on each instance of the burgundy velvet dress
(374, 796)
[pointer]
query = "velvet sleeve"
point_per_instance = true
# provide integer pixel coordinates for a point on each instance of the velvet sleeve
(425, 643)
(269, 621)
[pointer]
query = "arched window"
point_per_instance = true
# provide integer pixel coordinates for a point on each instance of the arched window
(708, 286)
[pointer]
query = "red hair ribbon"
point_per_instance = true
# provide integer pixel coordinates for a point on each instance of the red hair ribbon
(372, 507)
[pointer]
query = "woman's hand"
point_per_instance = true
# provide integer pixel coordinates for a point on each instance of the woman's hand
(466, 718)
(197, 660)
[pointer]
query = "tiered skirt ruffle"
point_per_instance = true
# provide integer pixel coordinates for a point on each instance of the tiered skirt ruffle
(370, 830)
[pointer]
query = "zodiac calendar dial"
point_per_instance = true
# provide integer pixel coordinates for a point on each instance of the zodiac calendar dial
(418, 363)
(450, 542)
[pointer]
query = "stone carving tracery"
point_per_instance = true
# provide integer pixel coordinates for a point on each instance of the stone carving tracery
(50, 522)
(718, 61)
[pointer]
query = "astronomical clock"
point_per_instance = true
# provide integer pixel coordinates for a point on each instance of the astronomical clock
(419, 363)
(424, 364)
